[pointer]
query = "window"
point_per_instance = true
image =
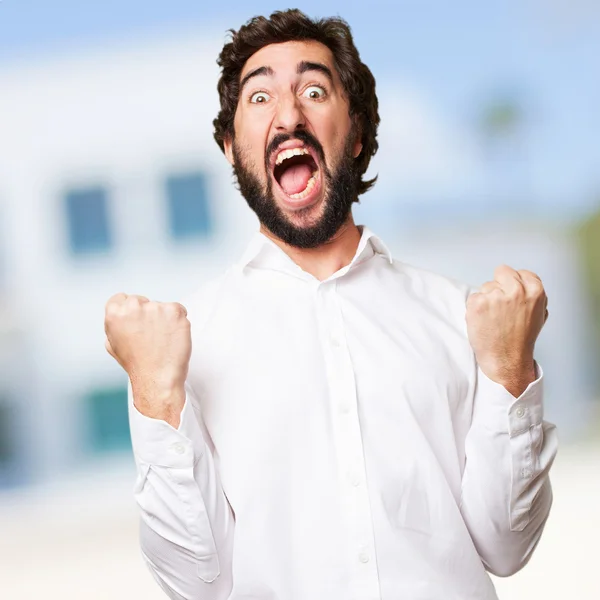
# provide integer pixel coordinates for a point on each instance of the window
(108, 422)
(88, 221)
(189, 214)
(9, 467)
(7, 419)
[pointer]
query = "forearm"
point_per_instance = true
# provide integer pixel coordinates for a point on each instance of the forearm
(187, 525)
(506, 493)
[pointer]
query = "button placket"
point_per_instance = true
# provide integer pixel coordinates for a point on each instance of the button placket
(348, 440)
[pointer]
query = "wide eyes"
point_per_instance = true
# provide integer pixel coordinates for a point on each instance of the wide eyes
(312, 92)
(259, 97)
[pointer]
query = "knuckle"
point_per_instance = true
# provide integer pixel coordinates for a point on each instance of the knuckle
(151, 307)
(518, 292)
(114, 302)
(174, 309)
(110, 310)
(532, 282)
(504, 268)
(527, 274)
(111, 305)
(132, 302)
(168, 308)
(472, 298)
(118, 297)
(535, 288)
(476, 302)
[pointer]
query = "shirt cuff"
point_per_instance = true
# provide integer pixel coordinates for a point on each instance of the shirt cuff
(497, 409)
(157, 443)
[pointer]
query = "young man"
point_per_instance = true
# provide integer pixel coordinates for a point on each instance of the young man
(347, 426)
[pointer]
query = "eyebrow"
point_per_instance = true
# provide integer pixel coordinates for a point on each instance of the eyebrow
(303, 67)
(306, 66)
(256, 73)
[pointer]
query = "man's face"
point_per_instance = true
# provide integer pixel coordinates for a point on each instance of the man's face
(295, 144)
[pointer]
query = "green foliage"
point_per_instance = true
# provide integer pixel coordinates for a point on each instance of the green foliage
(589, 240)
(503, 116)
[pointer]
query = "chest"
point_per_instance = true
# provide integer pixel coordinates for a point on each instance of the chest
(281, 366)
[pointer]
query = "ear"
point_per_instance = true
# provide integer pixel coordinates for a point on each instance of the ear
(357, 149)
(228, 148)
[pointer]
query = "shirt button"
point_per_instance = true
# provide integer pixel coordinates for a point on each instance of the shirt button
(344, 408)
(364, 557)
(178, 448)
(520, 412)
(354, 479)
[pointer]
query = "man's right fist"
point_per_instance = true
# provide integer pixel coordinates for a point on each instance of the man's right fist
(152, 342)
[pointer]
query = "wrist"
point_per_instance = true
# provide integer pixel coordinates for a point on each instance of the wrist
(156, 401)
(514, 378)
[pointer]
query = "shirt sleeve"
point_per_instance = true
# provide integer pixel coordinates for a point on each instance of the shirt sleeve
(506, 494)
(186, 526)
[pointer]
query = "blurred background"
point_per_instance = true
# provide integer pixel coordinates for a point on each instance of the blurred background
(110, 181)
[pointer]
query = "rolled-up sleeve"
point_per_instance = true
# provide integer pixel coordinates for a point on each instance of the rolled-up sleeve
(186, 528)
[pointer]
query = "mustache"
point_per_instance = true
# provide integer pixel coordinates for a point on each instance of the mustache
(304, 136)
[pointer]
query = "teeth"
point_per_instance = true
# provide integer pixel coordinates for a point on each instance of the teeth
(309, 186)
(285, 154)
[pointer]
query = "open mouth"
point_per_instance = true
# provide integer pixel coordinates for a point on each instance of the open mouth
(297, 175)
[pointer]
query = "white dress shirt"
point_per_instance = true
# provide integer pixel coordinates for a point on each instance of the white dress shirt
(339, 442)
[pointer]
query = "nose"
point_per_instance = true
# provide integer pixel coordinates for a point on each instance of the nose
(289, 116)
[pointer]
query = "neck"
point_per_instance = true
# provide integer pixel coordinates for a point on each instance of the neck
(325, 260)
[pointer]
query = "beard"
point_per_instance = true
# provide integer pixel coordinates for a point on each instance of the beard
(340, 190)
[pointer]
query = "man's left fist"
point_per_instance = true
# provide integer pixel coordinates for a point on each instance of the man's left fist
(504, 320)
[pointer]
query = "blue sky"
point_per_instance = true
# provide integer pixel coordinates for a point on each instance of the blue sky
(458, 54)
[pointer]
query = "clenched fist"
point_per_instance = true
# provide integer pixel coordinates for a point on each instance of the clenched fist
(152, 342)
(504, 320)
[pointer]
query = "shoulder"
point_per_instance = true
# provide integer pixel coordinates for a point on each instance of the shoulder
(429, 280)
(202, 301)
(445, 295)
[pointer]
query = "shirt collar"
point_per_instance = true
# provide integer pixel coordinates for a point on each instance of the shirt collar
(262, 252)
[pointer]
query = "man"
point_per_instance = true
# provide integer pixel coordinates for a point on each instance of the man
(340, 430)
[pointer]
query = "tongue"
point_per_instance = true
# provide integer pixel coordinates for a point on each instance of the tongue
(295, 179)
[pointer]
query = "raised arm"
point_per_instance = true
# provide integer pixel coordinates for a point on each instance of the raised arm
(506, 494)
(187, 525)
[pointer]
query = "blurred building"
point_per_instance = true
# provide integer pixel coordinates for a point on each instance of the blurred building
(110, 181)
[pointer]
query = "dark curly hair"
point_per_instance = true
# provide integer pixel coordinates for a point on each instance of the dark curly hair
(294, 25)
